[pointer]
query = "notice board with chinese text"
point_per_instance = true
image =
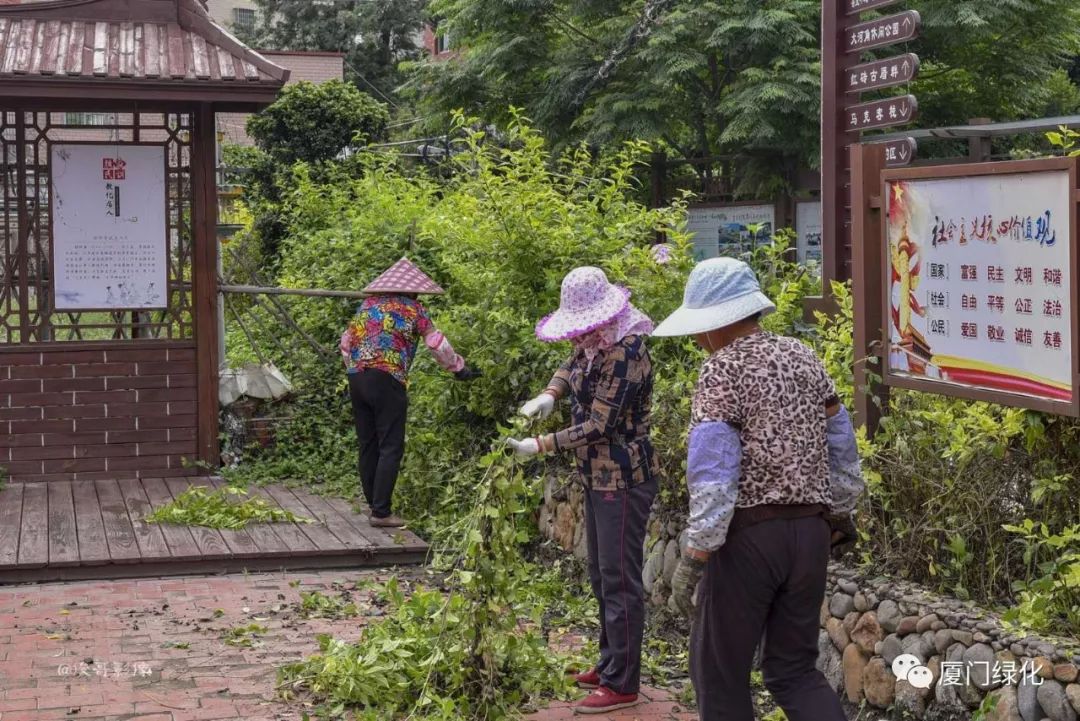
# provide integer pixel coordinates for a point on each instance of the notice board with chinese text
(979, 277)
(110, 236)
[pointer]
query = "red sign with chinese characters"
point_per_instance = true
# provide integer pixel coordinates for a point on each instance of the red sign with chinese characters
(113, 169)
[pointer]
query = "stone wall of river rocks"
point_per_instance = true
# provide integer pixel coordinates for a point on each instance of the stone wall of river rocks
(866, 623)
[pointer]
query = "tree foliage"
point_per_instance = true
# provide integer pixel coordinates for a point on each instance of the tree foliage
(314, 122)
(735, 78)
(308, 123)
(375, 35)
(708, 78)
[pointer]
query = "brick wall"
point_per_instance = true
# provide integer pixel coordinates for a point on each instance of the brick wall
(86, 412)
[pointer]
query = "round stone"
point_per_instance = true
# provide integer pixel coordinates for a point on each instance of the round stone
(888, 615)
(841, 605)
(1055, 704)
(879, 685)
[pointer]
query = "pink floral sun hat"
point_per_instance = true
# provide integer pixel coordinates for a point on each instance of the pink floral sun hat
(588, 302)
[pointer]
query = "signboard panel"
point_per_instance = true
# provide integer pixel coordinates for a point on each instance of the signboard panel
(881, 32)
(854, 7)
(730, 229)
(881, 113)
(882, 73)
(899, 152)
(979, 273)
(808, 231)
(110, 238)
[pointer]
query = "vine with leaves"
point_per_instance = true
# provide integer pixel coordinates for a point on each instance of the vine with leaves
(474, 651)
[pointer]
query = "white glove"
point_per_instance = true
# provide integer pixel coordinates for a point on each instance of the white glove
(525, 448)
(539, 407)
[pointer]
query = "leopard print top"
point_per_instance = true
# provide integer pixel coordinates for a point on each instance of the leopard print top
(773, 390)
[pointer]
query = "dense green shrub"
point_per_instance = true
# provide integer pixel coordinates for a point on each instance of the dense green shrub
(499, 234)
(945, 476)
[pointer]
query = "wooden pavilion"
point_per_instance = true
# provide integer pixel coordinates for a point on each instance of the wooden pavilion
(109, 336)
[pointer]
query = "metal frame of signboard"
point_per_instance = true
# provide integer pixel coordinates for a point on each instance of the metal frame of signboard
(1017, 167)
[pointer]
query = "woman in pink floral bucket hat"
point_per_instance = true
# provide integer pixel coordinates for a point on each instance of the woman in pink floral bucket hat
(609, 381)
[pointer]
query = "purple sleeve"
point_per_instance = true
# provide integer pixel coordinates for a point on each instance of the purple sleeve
(845, 471)
(713, 469)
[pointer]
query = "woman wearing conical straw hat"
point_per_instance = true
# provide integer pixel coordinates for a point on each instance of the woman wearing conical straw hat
(773, 476)
(378, 348)
(608, 379)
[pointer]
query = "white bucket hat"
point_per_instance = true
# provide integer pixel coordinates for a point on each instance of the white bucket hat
(719, 293)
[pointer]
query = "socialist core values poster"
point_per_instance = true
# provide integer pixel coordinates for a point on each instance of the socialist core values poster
(979, 277)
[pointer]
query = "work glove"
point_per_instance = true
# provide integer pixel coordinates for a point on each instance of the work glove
(539, 407)
(844, 535)
(524, 448)
(467, 374)
(684, 582)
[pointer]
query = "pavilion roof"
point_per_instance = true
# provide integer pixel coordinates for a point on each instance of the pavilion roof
(168, 49)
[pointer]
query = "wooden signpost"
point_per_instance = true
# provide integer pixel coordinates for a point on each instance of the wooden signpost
(881, 113)
(899, 153)
(845, 37)
(854, 7)
(898, 70)
(882, 32)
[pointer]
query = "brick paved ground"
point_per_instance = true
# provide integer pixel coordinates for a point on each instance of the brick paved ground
(158, 654)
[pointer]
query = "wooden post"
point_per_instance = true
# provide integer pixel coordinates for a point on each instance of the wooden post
(868, 294)
(979, 148)
(835, 139)
(658, 166)
(205, 282)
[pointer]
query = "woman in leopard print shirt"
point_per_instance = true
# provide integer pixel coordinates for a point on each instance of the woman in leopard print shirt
(773, 477)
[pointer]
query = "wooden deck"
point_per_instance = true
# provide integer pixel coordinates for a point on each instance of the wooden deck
(95, 529)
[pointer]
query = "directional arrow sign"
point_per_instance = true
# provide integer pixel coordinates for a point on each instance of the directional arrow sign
(881, 73)
(855, 7)
(881, 113)
(888, 30)
(899, 152)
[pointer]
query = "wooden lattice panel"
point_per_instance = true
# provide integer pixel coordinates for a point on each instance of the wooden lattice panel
(26, 235)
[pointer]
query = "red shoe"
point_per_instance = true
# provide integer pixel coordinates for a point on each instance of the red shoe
(589, 679)
(603, 700)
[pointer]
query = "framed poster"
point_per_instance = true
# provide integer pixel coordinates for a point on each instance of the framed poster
(729, 229)
(110, 234)
(808, 231)
(980, 273)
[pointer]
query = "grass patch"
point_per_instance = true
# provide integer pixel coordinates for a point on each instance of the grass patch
(227, 508)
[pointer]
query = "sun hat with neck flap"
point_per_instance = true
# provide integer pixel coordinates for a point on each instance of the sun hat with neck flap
(589, 301)
(720, 292)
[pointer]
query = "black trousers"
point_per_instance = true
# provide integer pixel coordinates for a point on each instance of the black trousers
(615, 526)
(380, 406)
(769, 577)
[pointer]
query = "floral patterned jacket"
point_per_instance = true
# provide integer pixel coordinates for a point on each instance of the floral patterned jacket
(385, 333)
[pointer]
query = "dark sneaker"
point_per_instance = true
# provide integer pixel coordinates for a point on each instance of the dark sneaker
(589, 679)
(603, 700)
(387, 522)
